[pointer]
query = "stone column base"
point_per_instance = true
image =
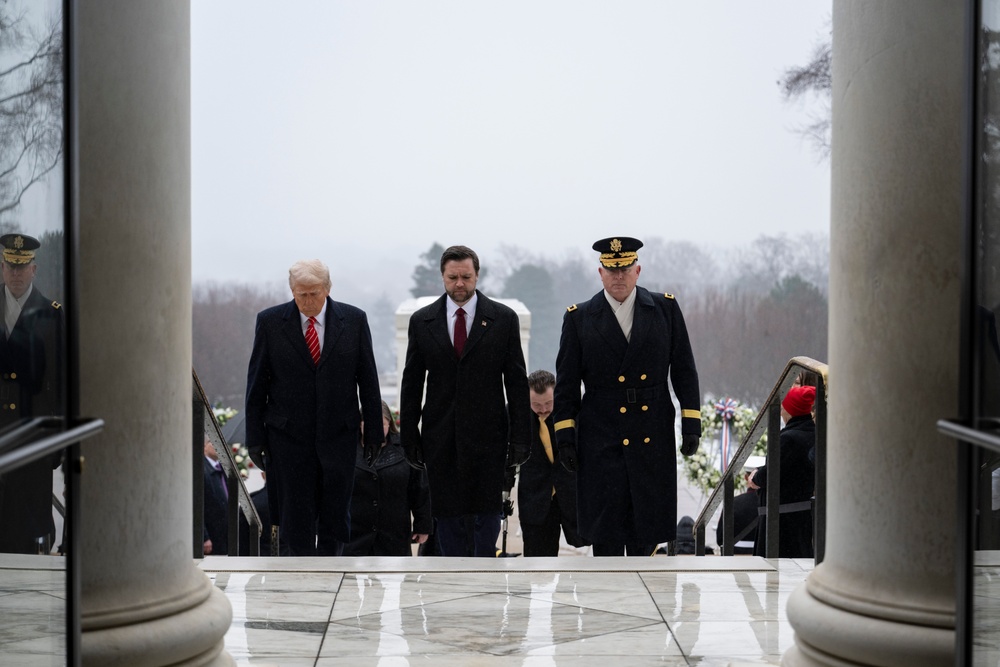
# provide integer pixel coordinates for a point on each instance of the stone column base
(829, 636)
(191, 637)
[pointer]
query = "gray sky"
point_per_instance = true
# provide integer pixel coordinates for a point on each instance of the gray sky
(362, 132)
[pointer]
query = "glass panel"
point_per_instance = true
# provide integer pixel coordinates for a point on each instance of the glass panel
(32, 372)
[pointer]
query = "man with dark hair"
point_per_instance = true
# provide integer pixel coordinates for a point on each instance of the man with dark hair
(311, 364)
(546, 491)
(466, 349)
(30, 381)
(624, 344)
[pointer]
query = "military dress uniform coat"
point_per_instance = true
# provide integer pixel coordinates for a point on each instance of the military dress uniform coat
(462, 426)
(30, 386)
(623, 424)
(537, 478)
(304, 418)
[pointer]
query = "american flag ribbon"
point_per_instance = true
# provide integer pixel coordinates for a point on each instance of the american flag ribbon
(725, 408)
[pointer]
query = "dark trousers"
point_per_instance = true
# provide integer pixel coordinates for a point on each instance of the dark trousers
(469, 535)
(543, 539)
(606, 549)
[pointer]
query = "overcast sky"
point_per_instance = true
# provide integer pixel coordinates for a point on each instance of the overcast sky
(362, 132)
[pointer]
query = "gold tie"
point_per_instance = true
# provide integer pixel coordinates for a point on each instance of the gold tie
(543, 435)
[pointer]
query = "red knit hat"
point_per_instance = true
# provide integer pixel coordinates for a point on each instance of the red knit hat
(799, 401)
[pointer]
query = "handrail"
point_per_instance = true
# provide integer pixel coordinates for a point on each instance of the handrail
(965, 433)
(21, 447)
(767, 418)
(239, 497)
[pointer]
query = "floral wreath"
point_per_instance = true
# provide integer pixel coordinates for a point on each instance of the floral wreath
(240, 453)
(702, 468)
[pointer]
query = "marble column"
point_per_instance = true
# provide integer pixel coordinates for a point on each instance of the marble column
(885, 594)
(144, 600)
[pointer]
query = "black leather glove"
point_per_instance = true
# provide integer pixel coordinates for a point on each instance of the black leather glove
(509, 474)
(508, 506)
(689, 444)
(518, 456)
(414, 456)
(371, 453)
(257, 456)
(567, 456)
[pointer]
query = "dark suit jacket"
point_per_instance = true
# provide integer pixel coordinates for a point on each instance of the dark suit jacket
(623, 424)
(462, 426)
(535, 483)
(298, 412)
(30, 380)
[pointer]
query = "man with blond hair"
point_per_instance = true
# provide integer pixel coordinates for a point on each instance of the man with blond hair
(311, 364)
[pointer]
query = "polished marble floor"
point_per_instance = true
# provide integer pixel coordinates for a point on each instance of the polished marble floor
(578, 611)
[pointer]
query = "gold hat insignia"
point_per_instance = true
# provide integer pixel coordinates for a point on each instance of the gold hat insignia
(18, 242)
(616, 245)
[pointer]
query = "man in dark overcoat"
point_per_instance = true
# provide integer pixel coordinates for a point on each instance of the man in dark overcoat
(466, 349)
(624, 345)
(546, 491)
(311, 363)
(30, 386)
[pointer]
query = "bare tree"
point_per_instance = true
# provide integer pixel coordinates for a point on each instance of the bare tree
(815, 78)
(31, 103)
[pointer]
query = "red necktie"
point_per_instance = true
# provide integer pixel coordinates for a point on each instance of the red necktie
(460, 333)
(312, 340)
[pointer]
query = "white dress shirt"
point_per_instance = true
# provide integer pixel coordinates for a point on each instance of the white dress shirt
(470, 313)
(624, 311)
(319, 326)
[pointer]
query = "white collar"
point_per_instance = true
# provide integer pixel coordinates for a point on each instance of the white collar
(20, 300)
(320, 320)
(627, 303)
(469, 307)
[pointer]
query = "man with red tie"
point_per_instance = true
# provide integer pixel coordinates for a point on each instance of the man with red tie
(311, 363)
(466, 349)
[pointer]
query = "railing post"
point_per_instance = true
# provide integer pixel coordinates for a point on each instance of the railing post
(197, 477)
(727, 516)
(773, 478)
(819, 489)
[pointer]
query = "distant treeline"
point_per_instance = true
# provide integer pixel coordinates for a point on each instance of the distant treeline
(748, 310)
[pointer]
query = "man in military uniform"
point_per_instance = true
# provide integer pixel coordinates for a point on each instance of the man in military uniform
(623, 345)
(30, 331)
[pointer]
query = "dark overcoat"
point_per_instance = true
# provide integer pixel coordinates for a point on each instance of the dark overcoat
(30, 386)
(305, 418)
(391, 501)
(462, 426)
(623, 424)
(215, 508)
(537, 478)
(798, 481)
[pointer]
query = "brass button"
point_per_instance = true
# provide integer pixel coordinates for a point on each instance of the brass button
(13, 376)
(645, 407)
(625, 442)
(622, 409)
(621, 378)
(13, 407)
(642, 377)
(646, 441)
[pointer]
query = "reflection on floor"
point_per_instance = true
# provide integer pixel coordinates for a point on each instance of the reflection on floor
(532, 612)
(32, 610)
